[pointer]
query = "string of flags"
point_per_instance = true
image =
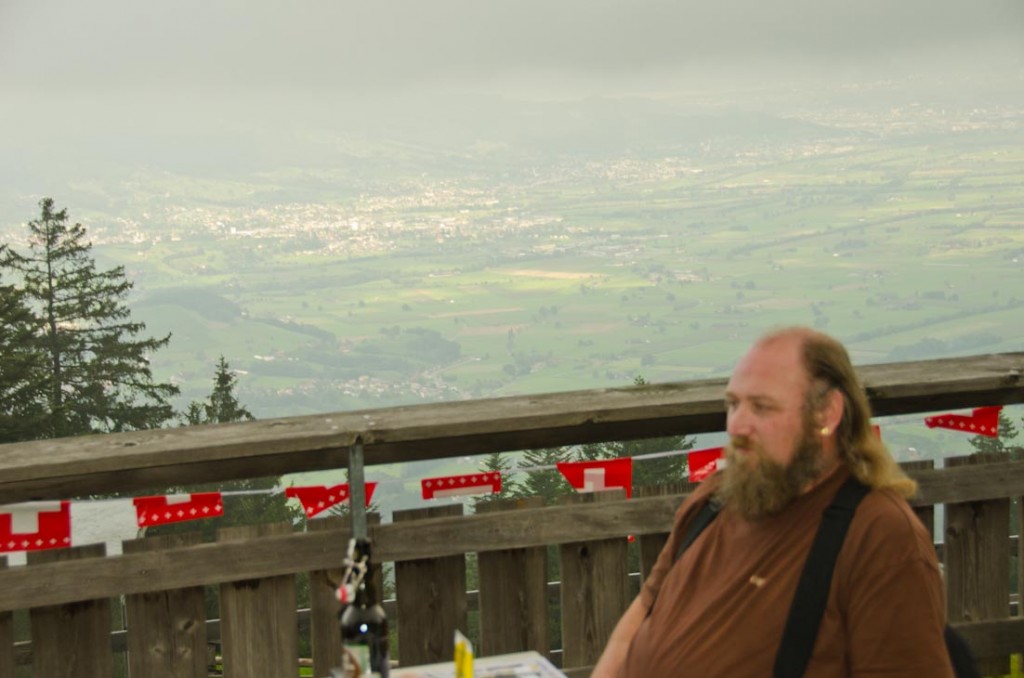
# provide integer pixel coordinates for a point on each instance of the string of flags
(981, 421)
(45, 525)
(316, 499)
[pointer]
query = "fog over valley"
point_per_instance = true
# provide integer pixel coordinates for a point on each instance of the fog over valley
(365, 205)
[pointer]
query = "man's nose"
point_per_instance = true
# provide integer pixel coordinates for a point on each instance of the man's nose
(737, 421)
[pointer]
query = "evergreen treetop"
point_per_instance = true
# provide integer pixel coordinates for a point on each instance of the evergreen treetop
(97, 376)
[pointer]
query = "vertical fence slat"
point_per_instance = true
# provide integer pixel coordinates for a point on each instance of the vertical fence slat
(431, 597)
(1020, 557)
(925, 513)
(978, 560)
(652, 544)
(323, 602)
(595, 590)
(258, 627)
(513, 592)
(166, 629)
(71, 639)
(6, 636)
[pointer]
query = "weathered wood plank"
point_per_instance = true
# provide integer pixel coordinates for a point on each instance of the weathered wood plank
(325, 632)
(6, 636)
(71, 639)
(259, 633)
(652, 544)
(431, 597)
(176, 568)
(977, 558)
(999, 480)
(513, 587)
(926, 512)
(1020, 557)
(994, 638)
(595, 589)
(166, 630)
(325, 635)
(54, 469)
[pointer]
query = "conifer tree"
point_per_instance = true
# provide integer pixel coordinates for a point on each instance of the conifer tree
(255, 503)
(22, 365)
(97, 376)
(549, 482)
(222, 406)
(1000, 445)
(496, 462)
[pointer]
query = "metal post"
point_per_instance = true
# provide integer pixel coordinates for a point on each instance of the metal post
(357, 489)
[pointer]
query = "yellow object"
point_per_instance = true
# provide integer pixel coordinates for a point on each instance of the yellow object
(463, 656)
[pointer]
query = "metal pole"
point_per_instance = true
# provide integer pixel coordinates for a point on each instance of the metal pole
(357, 489)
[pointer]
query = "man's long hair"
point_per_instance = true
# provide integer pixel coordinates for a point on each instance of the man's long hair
(828, 364)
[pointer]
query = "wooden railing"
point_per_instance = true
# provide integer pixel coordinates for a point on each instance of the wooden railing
(68, 592)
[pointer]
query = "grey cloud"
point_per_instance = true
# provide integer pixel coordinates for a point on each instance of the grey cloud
(380, 43)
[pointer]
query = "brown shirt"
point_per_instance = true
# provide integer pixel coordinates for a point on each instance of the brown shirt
(721, 608)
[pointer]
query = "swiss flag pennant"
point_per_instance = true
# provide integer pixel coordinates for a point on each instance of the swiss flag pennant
(594, 476)
(176, 508)
(453, 486)
(702, 463)
(318, 498)
(982, 421)
(35, 526)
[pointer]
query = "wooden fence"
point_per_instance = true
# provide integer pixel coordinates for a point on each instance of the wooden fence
(68, 593)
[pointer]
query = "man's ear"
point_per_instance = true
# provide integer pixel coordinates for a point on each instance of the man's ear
(832, 410)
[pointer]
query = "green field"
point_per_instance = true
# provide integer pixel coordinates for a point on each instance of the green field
(909, 252)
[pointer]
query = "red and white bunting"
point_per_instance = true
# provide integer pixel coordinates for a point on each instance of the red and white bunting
(595, 476)
(454, 486)
(702, 463)
(175, 508)
(982, 421)
(107, 521)
(35, 526)
(318, 498)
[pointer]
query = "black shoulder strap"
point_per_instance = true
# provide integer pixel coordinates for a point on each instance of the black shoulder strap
(707, 513)
(812, 591)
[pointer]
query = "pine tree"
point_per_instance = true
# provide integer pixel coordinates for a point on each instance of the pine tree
(222, 405)
(1001, 445)
(22, 369)
(548, 483)
(255, 502)
(496, 462)
(97, 376)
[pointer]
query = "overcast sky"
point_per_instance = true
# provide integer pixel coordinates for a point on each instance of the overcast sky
(371, 45)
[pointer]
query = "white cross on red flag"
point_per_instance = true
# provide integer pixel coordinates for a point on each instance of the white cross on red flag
(454, 486)
(982, 421)
(35, 526)
(702, 463)
(176, 508)
(318, 498)
(595, 476)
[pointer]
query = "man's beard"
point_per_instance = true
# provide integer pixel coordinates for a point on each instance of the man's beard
(757, 487)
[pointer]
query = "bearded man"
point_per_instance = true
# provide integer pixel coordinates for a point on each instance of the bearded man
(799, 426)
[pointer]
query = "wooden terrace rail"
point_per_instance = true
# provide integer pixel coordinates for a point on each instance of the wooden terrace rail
(255, 565)
(57, 469)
